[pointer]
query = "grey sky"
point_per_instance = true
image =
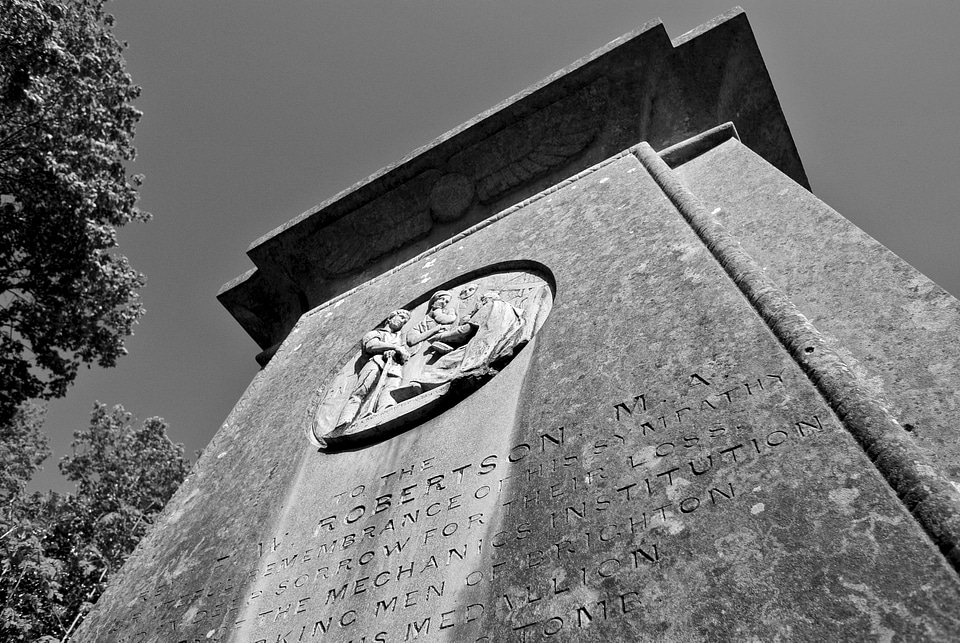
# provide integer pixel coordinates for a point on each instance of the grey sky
(256, 111)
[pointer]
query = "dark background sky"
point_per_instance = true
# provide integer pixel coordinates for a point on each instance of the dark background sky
(256, 111)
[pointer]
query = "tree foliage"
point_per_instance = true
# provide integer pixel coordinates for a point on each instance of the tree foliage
(66, 131)
(23, 448)
(58, 551)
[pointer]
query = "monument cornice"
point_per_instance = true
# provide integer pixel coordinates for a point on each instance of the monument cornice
(640, 87)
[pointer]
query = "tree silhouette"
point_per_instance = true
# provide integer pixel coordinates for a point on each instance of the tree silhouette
(58, 551)
(66, 130)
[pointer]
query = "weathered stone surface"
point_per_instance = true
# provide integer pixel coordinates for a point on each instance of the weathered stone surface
(642, 87)
(653, 466)
(897, 329)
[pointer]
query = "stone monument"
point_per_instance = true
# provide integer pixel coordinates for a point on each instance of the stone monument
(594, 366)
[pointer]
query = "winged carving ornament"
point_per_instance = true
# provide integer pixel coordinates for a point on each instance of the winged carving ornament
(525, 150)
(547, 139)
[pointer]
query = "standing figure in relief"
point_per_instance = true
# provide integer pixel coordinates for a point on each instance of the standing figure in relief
(384, 353)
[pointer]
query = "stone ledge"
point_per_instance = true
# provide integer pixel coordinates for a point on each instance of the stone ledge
(641, 87)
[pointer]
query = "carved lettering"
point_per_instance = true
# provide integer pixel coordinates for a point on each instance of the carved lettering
(628, 408)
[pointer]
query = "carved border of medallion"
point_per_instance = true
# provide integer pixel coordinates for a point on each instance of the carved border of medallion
(429, 355)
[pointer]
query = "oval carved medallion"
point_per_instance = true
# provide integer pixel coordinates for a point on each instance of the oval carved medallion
(423, 359)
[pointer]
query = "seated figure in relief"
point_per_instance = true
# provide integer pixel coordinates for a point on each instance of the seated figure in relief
(429, 337)
(381, 369)
(450, 343)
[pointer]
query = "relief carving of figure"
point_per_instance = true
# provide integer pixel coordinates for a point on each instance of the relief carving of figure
(385, 353)
(411, 365)
(468, 300)
(440, 332)
(447, 345)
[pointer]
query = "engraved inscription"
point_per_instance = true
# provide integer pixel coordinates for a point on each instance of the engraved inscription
(556, 533)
